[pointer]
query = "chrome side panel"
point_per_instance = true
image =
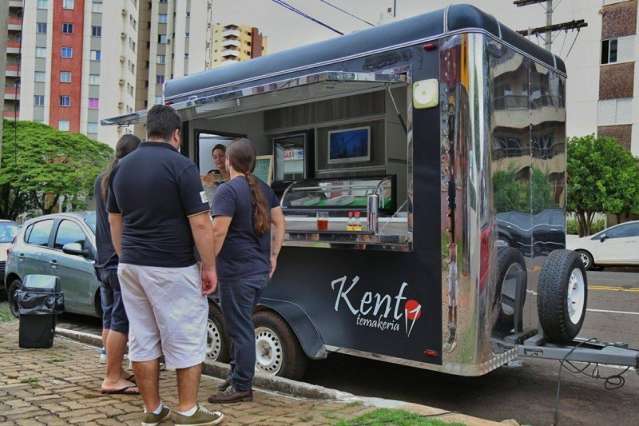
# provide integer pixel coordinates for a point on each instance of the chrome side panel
(502, 151)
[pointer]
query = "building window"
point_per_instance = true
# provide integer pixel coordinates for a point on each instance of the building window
(162, 39)
(96, 31)
(65, 77)
(94, 103)
(68, 4)
(67, 28)
(187, 35)
(63, 125)
(163, 19)
(96, 55)
(159, 79)
(38, 100)
(161, 60)
(609, 51)
(67, 52)
(43, 4)
(94, 79)
(92, 128)
(42, 27)
(65, 101)
(96, 7)
(40, 76)
(41, 52)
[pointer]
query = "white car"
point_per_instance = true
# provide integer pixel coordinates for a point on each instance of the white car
(617, 245)
(8, 230)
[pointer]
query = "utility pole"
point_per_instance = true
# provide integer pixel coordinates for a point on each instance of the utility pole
(549, 28)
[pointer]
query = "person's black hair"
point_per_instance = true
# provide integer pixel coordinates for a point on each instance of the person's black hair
(125, 145)
(162, 121)
(220, 147)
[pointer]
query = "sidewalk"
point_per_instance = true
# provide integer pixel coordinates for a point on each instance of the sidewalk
(60, 386)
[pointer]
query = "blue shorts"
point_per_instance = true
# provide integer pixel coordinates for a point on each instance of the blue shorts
(113, 314)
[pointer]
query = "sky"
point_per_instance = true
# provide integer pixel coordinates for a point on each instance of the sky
(285, 29)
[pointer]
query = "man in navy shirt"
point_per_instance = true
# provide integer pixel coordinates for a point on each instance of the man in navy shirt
(158, 212)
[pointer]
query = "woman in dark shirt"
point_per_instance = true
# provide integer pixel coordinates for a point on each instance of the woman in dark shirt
(249, 228)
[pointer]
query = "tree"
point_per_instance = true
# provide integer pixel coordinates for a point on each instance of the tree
(602, 177)
(514, 194)
(41, 164)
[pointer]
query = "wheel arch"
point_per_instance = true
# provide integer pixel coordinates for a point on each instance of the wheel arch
(585, 250)
(300, 323)
(10, 277)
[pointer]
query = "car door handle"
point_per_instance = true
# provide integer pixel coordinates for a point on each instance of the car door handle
(53, 263)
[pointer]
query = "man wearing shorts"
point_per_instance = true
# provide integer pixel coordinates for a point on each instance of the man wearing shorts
(158, 212)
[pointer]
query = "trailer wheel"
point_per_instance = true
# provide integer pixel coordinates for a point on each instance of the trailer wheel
(217, 343)
(278, 351)
(511, 277)
(563, 296)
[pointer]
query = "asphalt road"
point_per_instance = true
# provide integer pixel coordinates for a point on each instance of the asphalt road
(525, 392)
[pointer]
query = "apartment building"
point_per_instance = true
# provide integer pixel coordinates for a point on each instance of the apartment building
(11, 96)
(618, 104)
(235, 43)
(78, 64)
(175, 41)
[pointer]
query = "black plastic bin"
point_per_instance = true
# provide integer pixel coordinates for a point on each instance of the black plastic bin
(40, 300)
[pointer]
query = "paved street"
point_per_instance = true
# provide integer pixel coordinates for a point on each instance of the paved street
(525, 393)
(59, 386)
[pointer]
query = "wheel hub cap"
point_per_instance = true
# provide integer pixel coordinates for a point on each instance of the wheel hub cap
(213, 341)
(269, 355)
(584, 259)
(576, 296)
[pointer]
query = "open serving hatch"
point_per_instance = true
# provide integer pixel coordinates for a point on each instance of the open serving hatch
(275, 94)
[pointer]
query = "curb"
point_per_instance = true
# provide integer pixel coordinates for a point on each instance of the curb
(306, 390)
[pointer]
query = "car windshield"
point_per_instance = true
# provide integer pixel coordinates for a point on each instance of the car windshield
(8, 230)
(89, 219)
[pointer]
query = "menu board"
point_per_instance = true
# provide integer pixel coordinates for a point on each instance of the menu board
(264, 168)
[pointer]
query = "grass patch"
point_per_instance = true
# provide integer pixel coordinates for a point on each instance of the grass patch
(383, 417)
(5, 313)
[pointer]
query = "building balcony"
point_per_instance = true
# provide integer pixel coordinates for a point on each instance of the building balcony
(231, 42)
(12, 70)
(231, 33)
(11, 93)
(14, 23)
(13, 43)
(16, 3)
(10, 114)
(231, 53)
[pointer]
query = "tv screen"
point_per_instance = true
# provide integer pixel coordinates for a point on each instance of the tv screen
(349, 145)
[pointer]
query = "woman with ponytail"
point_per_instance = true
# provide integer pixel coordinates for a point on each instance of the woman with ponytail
(115, 323)
(249, 229)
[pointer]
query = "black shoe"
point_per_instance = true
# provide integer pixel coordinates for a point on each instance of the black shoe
(224, 385)
(230, 396)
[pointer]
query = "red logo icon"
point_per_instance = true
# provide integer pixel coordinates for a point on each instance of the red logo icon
(412, 312)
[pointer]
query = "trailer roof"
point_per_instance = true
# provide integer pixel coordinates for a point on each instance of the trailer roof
(457, 18)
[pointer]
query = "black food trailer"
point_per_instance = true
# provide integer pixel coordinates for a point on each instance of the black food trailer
(421, 167)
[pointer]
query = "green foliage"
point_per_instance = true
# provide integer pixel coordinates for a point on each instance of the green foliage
(386, 416)
(602, 177)
(513, 193)
(572, 226)
(44, 165)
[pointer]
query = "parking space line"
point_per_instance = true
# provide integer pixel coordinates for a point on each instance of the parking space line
(606, 311)
(603, 287)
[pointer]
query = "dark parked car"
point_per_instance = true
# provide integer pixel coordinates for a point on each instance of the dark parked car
(62, 245)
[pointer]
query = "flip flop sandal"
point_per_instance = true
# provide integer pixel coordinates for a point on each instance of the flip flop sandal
(131, 379)
(123, 391)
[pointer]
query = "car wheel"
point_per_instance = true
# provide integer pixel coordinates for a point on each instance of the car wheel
(511, 278)
(563, 296)
(278, 352)
(217, 344)
(14, 286)
(586, 259)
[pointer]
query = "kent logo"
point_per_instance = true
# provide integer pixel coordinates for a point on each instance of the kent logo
(376, 310)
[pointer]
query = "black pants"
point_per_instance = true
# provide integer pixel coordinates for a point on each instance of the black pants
(238, 298)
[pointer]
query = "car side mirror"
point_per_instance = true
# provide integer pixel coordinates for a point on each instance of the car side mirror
(603, 237)
(75, 249)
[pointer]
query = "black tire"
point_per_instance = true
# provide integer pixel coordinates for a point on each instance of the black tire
(586, 259)
(509, 261)
(290, 360)
(553, 294)
(217, 342)
(14, 286)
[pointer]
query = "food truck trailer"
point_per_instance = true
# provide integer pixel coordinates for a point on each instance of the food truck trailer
(421, 167)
